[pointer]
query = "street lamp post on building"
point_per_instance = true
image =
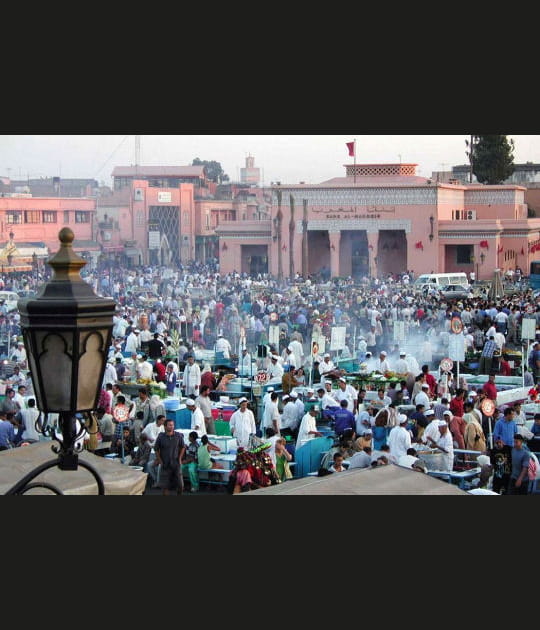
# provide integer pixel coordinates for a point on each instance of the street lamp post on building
(482, 258)
(67, 332)
(34, 268)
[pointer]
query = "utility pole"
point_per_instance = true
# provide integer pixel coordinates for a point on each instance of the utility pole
(291, 239)
(279, 217)
(471, 159)
(304, 242)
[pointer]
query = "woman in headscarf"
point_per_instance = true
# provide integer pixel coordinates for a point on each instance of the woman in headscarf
(208, 378)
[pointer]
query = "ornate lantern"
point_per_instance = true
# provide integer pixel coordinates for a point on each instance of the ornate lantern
(67, 333)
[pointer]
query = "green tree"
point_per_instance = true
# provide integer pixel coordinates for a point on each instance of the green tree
(492, 158)
(214, 171)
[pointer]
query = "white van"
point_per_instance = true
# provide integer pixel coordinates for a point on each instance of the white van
(9, 299)
(438, 280)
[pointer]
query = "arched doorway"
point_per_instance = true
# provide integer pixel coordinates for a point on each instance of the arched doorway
(318, 253)
(392, 252)
(354, 253)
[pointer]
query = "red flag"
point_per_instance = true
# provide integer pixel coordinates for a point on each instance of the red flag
(350, 146)
(499, 249)
(522, 252)
(419, 245)
(484, 244)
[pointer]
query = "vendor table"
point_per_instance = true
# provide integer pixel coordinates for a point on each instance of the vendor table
(452, 476)
(226, 460)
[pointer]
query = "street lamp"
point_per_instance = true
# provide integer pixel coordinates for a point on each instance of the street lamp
(34, 267)
(67, 333)
(473, 260)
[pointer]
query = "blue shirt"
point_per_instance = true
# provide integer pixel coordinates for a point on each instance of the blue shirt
(344, 419)
(506, 431)
(7, 433)
(520, 459)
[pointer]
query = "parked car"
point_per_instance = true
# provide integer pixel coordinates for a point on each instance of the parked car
(9, 299)
(455, 292)
(26, 293)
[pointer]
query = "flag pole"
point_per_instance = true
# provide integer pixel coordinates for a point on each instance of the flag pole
(354, 146)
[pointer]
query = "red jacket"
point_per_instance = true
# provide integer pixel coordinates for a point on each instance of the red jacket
(490, 390)
(432, 382)
(456, 406)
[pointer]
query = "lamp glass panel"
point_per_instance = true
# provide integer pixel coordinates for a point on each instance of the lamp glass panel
(54, 354)
(92, 347)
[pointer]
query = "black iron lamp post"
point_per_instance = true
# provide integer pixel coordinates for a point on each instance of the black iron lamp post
(67, 332)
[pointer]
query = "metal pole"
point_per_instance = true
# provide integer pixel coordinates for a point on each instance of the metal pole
(522, 366)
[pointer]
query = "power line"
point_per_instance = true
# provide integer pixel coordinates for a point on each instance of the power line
(110, 156)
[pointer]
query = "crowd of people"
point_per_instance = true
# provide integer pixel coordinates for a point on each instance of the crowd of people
(167, 318)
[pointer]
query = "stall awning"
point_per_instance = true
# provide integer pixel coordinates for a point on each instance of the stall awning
(113, 249)
(86, 246)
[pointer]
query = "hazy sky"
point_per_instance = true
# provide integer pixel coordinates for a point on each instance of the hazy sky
(289, 159)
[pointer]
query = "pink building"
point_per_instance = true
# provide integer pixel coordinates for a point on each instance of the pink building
(31, 224)
(380, 219)
(146, 222)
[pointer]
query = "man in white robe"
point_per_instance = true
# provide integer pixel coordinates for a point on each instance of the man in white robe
(242, 423)
(308, 427)
(399, 439)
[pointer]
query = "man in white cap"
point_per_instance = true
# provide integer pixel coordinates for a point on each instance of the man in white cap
(362, 348)
(327, 369)
(298, 351)
(432, 429)
(244, 364)
(422, 398)
(144, 369)
(399, 438)
(346, 392)
(197, 417)
(223, 345)
(308, 427)
(271, 416)
(288, 359)
(191, 379)
(382, 364)
(401, 366)
(19, 355)
(300, 407)
(289, 416)
(326, 399)
(109, 376)
(242, 423)
(133, 343)
(266, 397)
(275, 369)
(445, 444)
